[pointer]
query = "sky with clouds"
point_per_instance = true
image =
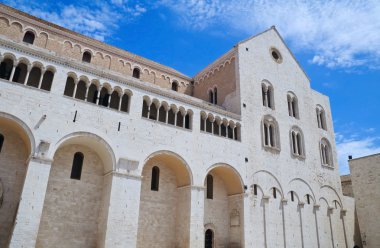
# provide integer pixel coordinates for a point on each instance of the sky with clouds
(337, 42)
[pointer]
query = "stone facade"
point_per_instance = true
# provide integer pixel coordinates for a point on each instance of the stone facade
(365, 177)
(271, 186)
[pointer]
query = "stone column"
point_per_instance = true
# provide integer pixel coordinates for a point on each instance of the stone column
(42, 76)
(121, 210)
(27, 75)
(32, 201)
(12, 72)
(197, 217)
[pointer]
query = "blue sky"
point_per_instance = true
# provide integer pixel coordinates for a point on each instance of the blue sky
(336, 42)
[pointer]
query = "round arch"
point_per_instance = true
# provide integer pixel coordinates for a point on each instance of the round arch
(171, 159)
(93, 141)
(21, 128)
(230, 176)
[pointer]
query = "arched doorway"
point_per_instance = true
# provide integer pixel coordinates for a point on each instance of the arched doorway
(16, 145)
(164, 215)
(209, 238)
(223, 208)
(77, 196)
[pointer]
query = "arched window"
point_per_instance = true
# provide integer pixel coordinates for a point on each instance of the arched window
(153, 111)
(267, 94)
(155, 178)
(271, 137)
(20, 73)
(92, 94)
(293, 105)
(86, 57)
(321, 118)
(180, 117)
(34, 77)
(145, 109)
(81, 90)
(47, 80)
(215, 95)
(6, 68)
(209, 122)
(1, 141)
(162, 114)
(28, 37)
(115, 100)
(175, 86)
(76, 169)
(136, 73)
(297, 143)
(209, 239)
(125, 103)
(210, 187)
(211, 96)
(171, 117)
(104, 97)
(325, 150)
(187, 121)
(70, 86)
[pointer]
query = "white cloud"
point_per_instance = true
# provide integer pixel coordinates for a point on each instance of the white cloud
(340, 33)
(357, 147)
(97, 19)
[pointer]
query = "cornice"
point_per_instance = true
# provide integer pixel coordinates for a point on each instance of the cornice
(115, 77)
(51, 28)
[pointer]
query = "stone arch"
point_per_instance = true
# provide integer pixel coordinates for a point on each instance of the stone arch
(5, 21)
(268, 180)
(99, 144)
(301, 181)
(326, 190)
(18, 146)
(164, 210)
(82, 198)
(225, 208)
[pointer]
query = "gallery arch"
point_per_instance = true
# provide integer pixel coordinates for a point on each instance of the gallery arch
(78, 184)
(17, 145)
(164, 219)
(224, 210)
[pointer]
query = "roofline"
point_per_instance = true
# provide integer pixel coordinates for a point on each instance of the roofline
(93, 42)
(283, 41)
(368, 156)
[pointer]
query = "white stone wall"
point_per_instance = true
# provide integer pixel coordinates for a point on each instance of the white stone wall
(13, 158)
(132, 214)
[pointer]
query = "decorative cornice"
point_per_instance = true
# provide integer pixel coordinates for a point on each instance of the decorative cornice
(115, 77)
(51, 28)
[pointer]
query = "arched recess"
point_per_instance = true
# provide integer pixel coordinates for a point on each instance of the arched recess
(307, 214)
(18, 146)
(225, 210)
(75, 209)
(164, 219)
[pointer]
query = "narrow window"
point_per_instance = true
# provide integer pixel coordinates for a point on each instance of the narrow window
(187, 121)
(145, 109)
(175, 86)
(255, 189)
(34, 77)
(269, 97)
(86, 57)
(294, 143)
(229, 130)
(76, 169)
(292, 195)
(271, 136)
(215, 127)
(299, 144)
(20, 73)
(274, 193)
(162, 114)
(211, 96)
(6, 69)
(202, 123)
(69, 88)
(28, 37)
(208, 125)
(81, 90)
(124, 103)
(153, 112)
(308, 199)
(92, 94)
(210, 187)
(136, 73)
(47, 80)
(155, 178)
(180, 118)
(171, 117)
(215, 95)
(1, 142)
(263, 94)
(103, 97)
(209, 239)
(115, 100)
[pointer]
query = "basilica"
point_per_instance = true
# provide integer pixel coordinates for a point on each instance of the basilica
(100, 147)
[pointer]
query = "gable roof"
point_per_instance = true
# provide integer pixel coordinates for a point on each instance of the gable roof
(282, 40)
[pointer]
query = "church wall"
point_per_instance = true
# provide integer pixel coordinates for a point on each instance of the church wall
(13, 158)
(71, 209)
